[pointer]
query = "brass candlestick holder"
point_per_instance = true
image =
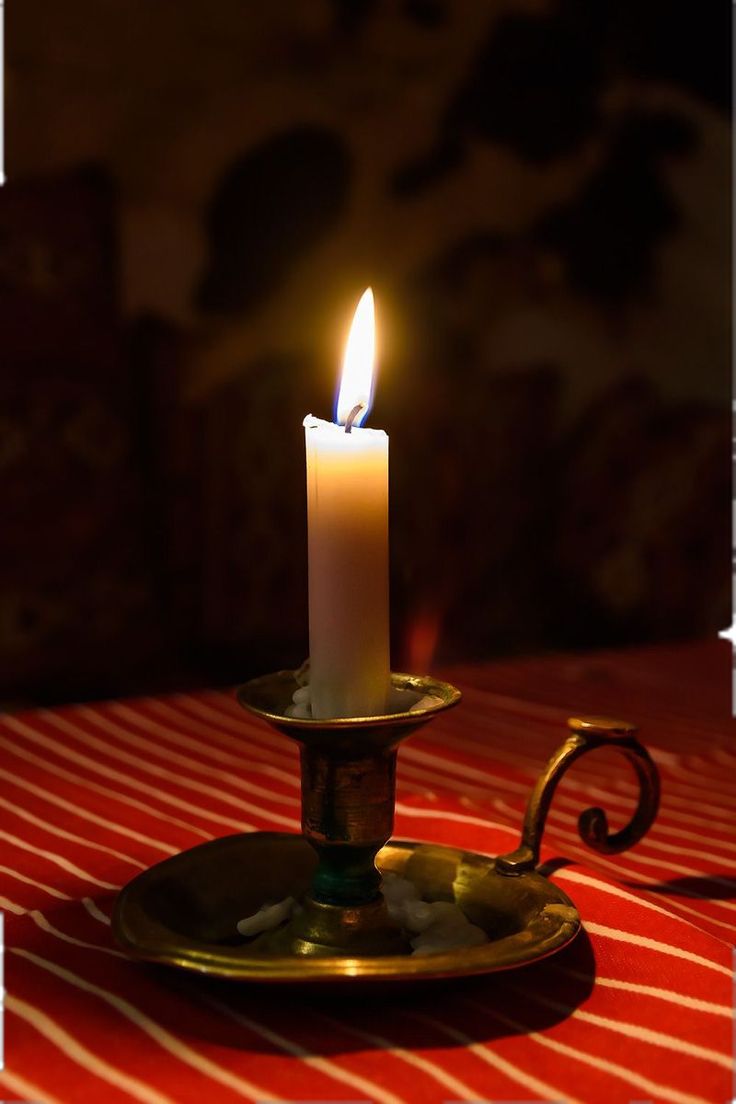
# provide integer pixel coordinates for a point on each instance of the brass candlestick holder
(184, 911)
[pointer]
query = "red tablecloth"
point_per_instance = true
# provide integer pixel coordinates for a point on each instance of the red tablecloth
(639, 1007)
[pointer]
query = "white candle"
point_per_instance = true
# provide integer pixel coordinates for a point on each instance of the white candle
(347, 502)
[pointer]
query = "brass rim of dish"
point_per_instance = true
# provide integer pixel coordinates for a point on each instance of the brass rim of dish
(145, 938)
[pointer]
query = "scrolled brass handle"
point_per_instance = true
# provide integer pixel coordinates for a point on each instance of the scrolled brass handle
(587, 734)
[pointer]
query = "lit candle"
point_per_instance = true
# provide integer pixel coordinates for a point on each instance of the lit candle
(347, 503)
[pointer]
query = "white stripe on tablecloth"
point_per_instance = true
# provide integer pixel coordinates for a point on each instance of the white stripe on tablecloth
(431, 1069)
(249, 751)
(634, 860)
(234, 715)
(10, 906)
(243, 730)
(664, 994)
(95, 912)
(672, 760)
(95, 787)
(119, 776)
(250, 737)
(428, 1067)
(554, 716)
(219, 793)
(79, 1054)
(668, 821)
(517, 759)
(655, 945)
(483, 794)
(676, 807)
(670, 808)
(555, 815)
(323, 1065)
(477, 701)
(656, 845)
(684, 770)
(456, 784)
(461, 818)
(443, 765)
(593, 791)
(632, 1031)
(662, 1092)
(470, 772)
(692, 1002)
(616, 891)
(571, 875)
(193, 766)
(505, 826)
(701, 918)
(545, 1091)
(509, 728)
(465, 771)
(82, 813)
(679, 812)
(26, 1089)
(575, 847)
(670, 797)
(443, 814)
(486, 823)
(693, 790)
(57, 860)
(695, 1004)
(37, 885)
(222, 709)
(153, 1030)
(409, 811)
(55, 830)
(246, 749)
(41, 922)
(409, 755)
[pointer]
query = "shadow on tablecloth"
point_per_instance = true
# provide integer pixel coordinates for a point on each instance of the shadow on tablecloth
(334, 1019)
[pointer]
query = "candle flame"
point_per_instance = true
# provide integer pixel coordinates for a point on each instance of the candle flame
(356, 385)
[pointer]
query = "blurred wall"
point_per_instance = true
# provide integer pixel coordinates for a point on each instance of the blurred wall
(539, 193)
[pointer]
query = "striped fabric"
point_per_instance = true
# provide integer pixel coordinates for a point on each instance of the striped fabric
(639, 1007)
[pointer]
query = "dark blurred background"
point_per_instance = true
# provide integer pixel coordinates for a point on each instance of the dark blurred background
(539, 193)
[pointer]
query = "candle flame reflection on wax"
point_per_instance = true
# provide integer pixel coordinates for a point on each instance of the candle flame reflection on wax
(356, 384)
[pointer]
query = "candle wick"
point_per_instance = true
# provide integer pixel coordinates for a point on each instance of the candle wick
(353, 415)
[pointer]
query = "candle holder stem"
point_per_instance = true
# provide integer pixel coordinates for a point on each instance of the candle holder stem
(348, 797)
(347, 817)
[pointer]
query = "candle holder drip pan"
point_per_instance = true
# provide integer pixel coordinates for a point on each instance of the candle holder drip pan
(184, 911)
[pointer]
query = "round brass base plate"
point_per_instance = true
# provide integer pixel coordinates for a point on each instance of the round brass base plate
(184, 911)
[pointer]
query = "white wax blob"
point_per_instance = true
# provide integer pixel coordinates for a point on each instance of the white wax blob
(399, 701)
(267, 917)
(435, 926)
